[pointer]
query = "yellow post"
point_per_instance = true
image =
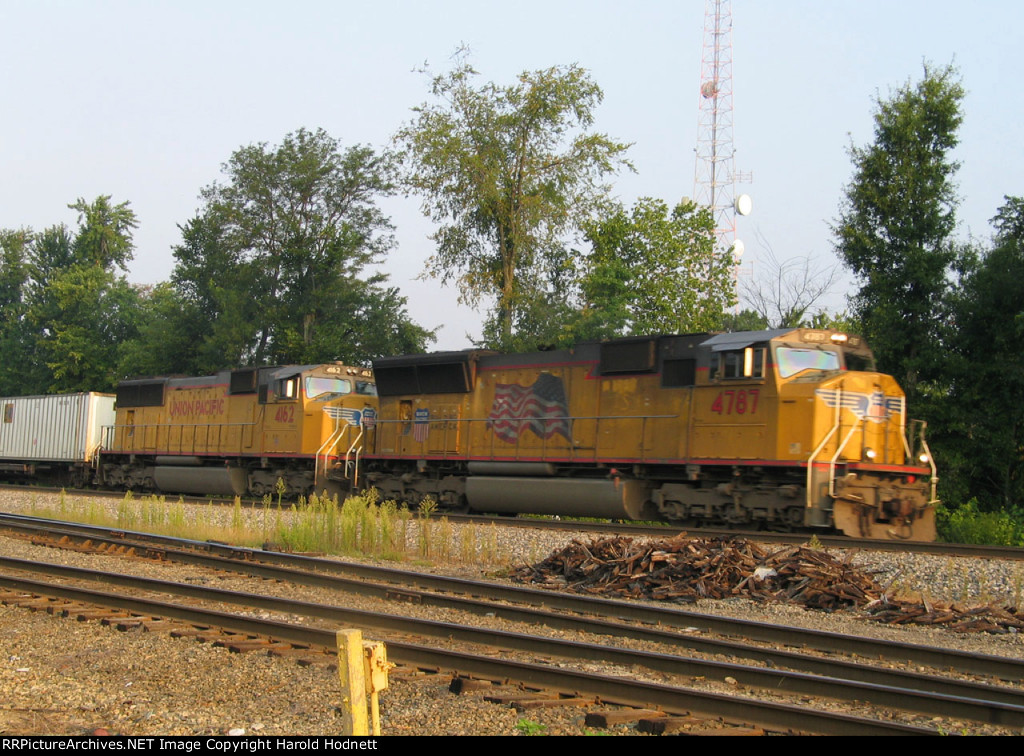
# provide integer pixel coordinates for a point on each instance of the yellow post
(377, 667)
(353, 685)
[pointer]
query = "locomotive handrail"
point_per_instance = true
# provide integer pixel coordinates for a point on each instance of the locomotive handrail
(355, 469)
(903, 428)
(820, 447)
(839, 450)
(331, 441)
(931, 463)
(134, 446)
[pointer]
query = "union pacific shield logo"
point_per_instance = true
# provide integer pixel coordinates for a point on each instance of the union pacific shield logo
(875, 407)
(540, 408)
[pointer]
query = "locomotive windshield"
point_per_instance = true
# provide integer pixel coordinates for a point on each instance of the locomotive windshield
(793, 360)
(326, 388)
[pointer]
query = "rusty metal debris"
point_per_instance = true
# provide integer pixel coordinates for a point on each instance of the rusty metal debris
(686, 569)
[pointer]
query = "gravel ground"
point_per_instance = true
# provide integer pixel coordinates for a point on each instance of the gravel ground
(58, 676)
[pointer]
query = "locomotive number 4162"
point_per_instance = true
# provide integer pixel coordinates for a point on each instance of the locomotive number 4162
(736, 402)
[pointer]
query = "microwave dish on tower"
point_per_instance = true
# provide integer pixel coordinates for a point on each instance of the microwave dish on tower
(715, 176)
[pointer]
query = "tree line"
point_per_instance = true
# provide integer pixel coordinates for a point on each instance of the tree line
(944, 316)
(277, 266)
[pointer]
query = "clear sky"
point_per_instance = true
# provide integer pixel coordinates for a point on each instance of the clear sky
(144, 101)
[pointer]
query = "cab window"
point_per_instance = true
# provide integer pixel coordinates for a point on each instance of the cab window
(859, 362)
(288, 389)
(738, 363)
(793, 360)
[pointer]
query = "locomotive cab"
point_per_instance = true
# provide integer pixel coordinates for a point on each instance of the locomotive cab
(869, 472)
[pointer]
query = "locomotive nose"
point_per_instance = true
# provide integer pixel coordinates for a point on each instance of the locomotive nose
(865, 462)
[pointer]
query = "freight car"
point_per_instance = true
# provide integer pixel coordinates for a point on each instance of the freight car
(53, 439)
(244, 431)
(780, 429)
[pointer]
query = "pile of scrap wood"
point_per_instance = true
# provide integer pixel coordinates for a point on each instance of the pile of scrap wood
(685, 569)
(964, 619)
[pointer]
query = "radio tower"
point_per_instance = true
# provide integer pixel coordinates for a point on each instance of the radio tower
(715, 177)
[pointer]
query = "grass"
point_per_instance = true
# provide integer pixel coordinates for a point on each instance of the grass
(358, 527)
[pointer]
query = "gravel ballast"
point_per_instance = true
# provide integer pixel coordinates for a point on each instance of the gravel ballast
(58, 676)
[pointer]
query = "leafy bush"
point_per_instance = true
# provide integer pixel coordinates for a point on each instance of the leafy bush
(968, 524)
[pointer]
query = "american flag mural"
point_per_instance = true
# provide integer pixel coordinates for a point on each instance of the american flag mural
(541, 408)
(421, 427)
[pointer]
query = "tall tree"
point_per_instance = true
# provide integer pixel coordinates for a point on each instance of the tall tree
(981, 436)
(87, 316)
(278, 258)
(654, 270)
(15, 342)
(507, 173)
(896, 221)
(81, 308)
(104, 238)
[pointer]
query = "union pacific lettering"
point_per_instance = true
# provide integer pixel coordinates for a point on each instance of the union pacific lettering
(196, 407)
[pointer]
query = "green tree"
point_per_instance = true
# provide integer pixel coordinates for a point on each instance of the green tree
(744, 320)
(277, 260)
(15, 344)
(87, 316)
(895, 224)
(212, 283)
(654, 270)
(104, 237)
(81, 311)
(507, 173)
(164, 342)
(981, 430)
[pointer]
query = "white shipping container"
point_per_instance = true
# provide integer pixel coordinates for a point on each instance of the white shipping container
(59, 428)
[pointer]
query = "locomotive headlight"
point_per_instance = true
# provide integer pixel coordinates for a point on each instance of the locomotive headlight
(923, 459)
(870, 453)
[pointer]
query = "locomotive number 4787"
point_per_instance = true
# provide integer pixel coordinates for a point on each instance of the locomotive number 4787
(736, 402)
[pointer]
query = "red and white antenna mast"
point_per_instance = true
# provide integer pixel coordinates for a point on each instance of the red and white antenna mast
(715, 177)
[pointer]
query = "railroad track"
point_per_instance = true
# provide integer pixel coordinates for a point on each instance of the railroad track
(439, 590)
(789, 671)
(661, 530)
(610, 689)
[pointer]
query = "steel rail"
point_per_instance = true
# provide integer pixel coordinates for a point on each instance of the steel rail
(611, 689)
(772, 679)
(792, 660)
(982, 664)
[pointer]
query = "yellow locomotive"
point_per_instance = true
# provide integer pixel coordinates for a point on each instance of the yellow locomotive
(781, 429)
(240, 431)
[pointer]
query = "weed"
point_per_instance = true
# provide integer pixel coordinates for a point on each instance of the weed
(529, 727)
